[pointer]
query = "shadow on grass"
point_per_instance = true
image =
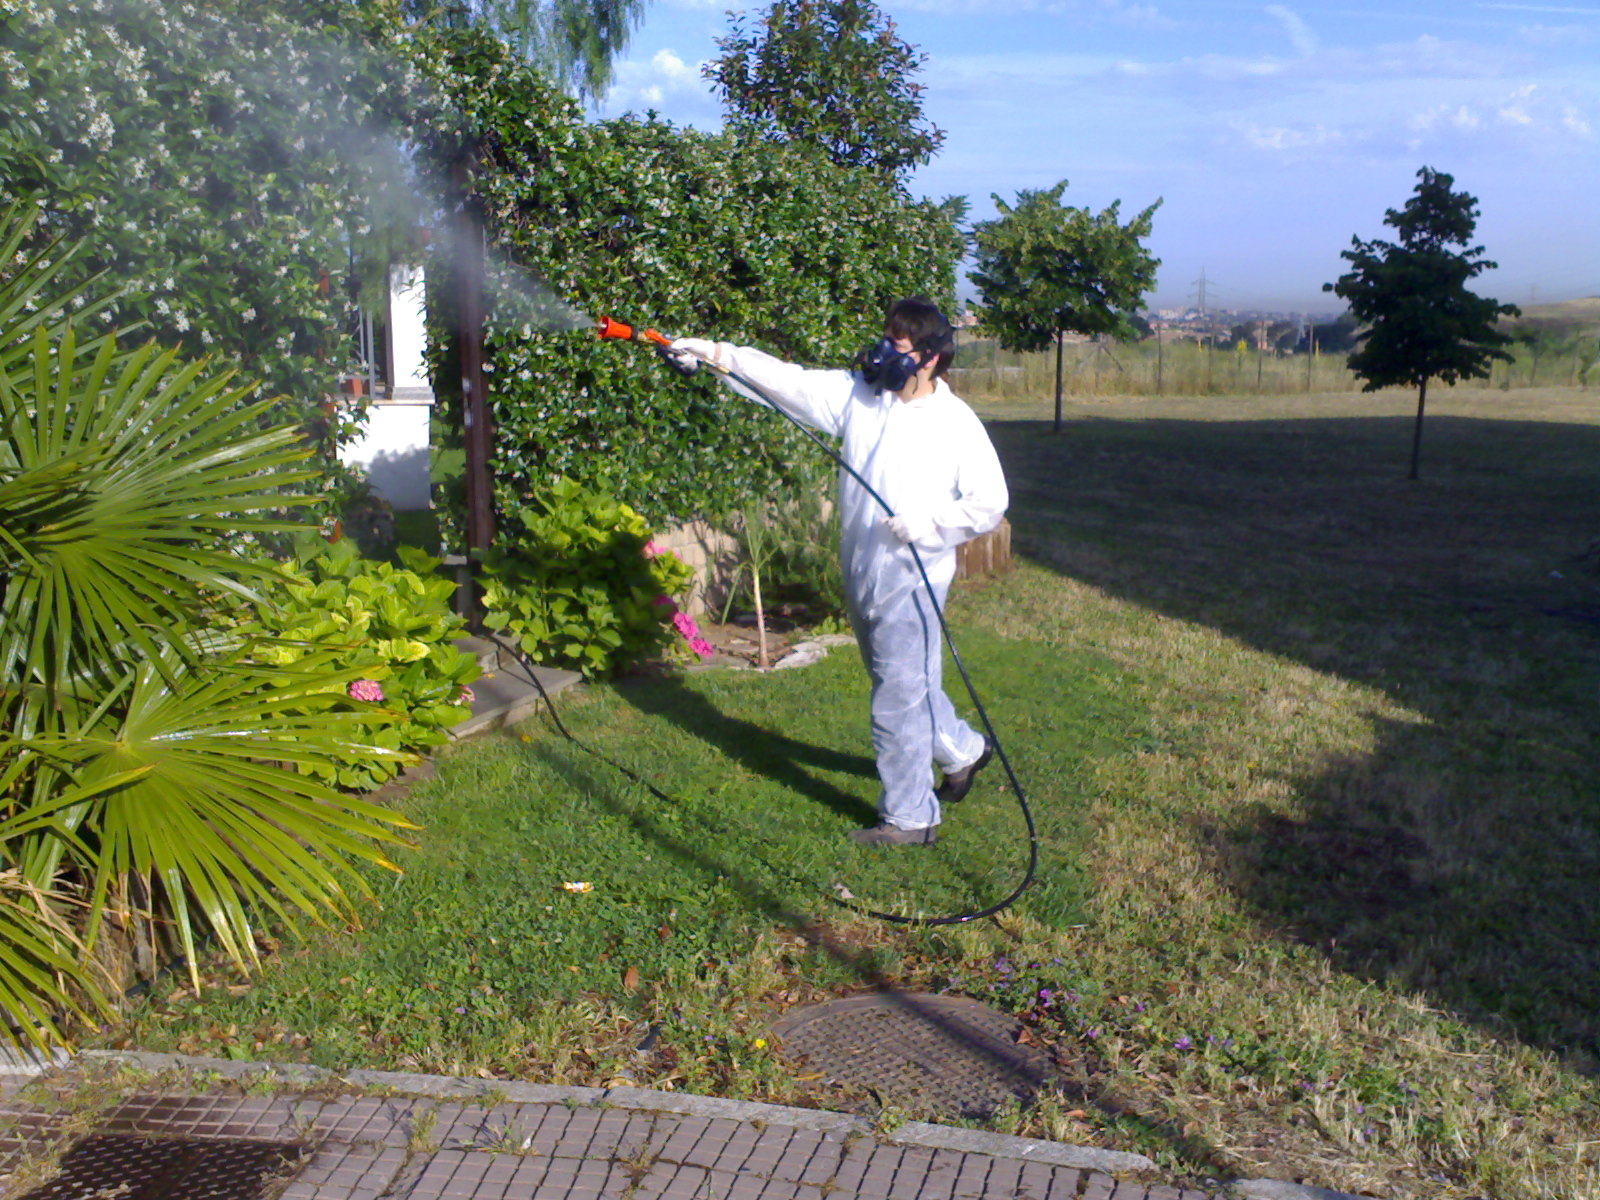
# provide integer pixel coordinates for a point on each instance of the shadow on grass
(761, 750)
(1460, 856)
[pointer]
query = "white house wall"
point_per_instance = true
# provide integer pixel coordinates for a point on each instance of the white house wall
(393, 449)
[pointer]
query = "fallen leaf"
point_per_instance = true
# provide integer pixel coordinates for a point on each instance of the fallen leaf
(630, 979)
(1077, 1112)
(664, 932)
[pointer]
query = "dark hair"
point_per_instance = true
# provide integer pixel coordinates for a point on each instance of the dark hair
(919, 319)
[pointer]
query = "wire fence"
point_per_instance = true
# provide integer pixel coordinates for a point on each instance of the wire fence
(1186, 368)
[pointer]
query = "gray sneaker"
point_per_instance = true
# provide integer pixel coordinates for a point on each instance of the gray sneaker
(957, 784)
(885, 834)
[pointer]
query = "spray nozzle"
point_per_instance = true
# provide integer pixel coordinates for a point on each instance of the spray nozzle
(608, 328)
(682, 363)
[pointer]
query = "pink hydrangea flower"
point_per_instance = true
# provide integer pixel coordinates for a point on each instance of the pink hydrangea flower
(653, 548)
(666, 602)
(467, 696)
(702, 647)
(684, 624)
(366, 689)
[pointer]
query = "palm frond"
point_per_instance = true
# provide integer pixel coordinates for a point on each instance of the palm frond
(45, 978)
(184, 786)
(166, 460)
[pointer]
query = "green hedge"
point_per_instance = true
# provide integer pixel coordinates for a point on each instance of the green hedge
(692, 233)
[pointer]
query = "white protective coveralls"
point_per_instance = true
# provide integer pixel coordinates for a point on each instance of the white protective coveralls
(932, 462)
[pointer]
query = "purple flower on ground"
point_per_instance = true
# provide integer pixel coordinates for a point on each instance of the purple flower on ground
(1091, 1034)
(365, 689)
(1183, 1043)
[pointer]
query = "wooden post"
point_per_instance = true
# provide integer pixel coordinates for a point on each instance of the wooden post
(1058, 381)
(477, 428)
(1158, 360)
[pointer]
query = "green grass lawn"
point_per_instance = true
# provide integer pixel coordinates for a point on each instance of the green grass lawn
(1314, 757)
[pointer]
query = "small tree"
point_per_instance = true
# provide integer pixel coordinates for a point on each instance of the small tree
(1044, 269)
(829, 73)
(1421, 320)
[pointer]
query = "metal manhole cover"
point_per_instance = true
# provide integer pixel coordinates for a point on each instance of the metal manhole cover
(137, 1168)
(941, 1054)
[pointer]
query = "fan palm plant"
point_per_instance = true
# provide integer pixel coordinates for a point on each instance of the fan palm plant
(141, 757)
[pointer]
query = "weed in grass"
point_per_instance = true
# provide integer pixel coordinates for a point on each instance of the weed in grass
(507, 1138)
(637, 1164)
(419, 1137)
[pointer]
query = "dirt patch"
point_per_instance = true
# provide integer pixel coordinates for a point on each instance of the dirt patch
(739, 641)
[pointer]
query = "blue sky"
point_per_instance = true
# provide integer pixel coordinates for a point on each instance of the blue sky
(1272, 132)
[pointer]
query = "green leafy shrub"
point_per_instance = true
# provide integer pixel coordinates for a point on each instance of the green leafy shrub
(701, 234)
(222, 161)
(580, 583)
(392, 626)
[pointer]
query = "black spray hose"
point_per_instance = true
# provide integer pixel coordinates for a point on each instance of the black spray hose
(972, 691)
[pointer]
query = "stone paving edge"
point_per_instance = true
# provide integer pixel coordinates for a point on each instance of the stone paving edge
(914, 1133)
(1004, 1145)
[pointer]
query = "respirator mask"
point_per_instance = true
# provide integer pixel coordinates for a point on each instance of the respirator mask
(886, 368)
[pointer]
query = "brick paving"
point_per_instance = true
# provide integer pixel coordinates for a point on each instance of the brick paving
(438, 1147)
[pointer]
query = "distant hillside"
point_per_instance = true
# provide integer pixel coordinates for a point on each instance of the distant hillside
(1570, 316)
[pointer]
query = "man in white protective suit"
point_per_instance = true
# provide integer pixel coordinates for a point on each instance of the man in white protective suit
(926, 453)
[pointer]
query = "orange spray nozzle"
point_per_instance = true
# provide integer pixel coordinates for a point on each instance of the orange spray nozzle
(616, 329)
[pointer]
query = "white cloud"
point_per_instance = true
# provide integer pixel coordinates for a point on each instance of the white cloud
(1514, 111)
(1558, 9)
(1555, 36)
(1530, 111)
(666, 79)
(1284, 138)
(1300, 35)
(1446, 116)
(672, 67)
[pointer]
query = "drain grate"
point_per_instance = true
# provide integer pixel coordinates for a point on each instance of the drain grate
(136, 1168)
(935, 1054)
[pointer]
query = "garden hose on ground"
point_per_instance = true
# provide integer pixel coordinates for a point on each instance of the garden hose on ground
(615, 329)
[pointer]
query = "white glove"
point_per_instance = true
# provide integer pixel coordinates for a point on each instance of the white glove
(911, 528)
(688, 353)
